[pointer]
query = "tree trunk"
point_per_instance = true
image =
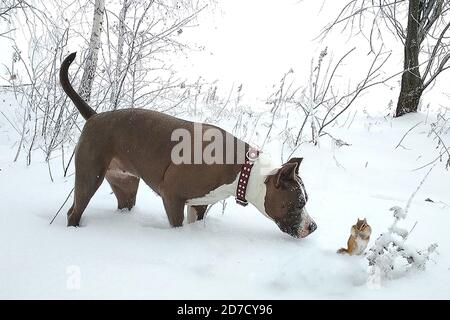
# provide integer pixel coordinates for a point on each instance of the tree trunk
(412, 85)
(92, 56)
(119, 59)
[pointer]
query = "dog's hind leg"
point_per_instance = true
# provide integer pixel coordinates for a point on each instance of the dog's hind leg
(86, 184)
(90, 169)
(174, 210)
(125, 188)
(196, 213)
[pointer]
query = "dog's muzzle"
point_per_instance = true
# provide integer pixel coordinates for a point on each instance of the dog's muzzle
(307, 226)
(298, 230)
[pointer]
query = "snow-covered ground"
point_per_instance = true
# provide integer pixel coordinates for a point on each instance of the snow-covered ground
(238, 254)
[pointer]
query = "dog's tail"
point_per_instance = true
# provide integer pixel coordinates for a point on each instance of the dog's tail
(85, 110)
(342, 251)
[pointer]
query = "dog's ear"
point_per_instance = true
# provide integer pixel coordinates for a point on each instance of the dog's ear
(286, 173)
(298, 161)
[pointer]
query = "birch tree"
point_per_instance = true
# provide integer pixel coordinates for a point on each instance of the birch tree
(137, 66)
(119, 56)
(90, 64)
(140, 39)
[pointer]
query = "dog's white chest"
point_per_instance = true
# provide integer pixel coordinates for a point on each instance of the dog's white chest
(215, 195)
(256, 188)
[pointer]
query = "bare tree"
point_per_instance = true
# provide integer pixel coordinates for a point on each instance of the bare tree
(141, 74)
(119, 55)
(420, 25)
(7, 10)
(323, 100)
(90, 64)
(37, 89)
(146, 33)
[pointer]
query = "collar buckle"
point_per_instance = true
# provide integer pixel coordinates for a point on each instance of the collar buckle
(252, 155)
(241, 202)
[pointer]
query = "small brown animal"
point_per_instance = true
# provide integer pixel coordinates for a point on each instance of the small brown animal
(359, 238)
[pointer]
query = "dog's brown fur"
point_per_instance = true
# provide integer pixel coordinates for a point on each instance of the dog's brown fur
(132, 144)
(119, 145)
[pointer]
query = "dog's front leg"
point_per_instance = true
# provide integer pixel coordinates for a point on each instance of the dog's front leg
(195, 213)
(174, 210)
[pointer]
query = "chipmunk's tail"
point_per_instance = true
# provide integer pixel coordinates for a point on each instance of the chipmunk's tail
(342, 251)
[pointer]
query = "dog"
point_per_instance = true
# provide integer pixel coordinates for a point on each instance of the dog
(127, 145)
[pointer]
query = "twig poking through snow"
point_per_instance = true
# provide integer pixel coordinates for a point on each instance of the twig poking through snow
(404, 136)
(447, 164)
(60, 208)
(417, 189)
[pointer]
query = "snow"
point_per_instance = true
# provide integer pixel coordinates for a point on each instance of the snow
(239, 254)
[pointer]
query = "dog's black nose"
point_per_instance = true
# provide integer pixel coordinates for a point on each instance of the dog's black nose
(312, 226)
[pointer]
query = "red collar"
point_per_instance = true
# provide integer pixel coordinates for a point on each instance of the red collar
(250, 158)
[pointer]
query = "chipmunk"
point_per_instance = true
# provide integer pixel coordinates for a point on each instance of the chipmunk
(359, 238)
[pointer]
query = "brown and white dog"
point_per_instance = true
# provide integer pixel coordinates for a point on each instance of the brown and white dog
(127, 145)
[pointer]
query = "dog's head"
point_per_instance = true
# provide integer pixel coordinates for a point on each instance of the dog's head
(286, 198)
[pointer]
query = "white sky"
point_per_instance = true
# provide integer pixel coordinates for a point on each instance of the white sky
(257, 41)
